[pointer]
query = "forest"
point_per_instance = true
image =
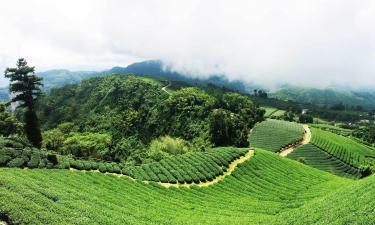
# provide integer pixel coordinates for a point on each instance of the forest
(129, 119)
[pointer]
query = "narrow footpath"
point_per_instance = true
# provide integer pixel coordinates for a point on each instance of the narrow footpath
(306, 139)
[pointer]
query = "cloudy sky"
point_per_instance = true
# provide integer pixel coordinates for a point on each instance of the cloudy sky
(304, 42)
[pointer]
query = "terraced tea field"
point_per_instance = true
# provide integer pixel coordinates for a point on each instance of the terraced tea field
(223, 186)
(335, 154)
(313, 156)
(189, 168)
(273, 135)
(328, 140)
(266, 189)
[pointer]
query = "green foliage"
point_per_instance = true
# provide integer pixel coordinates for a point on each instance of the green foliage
(34, 161)
(129, 149)
(165, 147)
(366, 133)
(185, 112)
(222, 127)
(231, 125)
(53, 139)
(303, 118)
(9, 125)
(274, 135)
(67, 127)
(288, 116)
(25, 85)
(17, 154)
(134, 111)
(87, 145)
(17, 162)
(266, 189)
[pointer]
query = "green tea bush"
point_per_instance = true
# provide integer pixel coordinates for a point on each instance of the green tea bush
(34, 161)
(17, 162)
(102, 168)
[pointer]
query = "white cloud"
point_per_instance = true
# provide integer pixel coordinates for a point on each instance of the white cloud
(304, 42)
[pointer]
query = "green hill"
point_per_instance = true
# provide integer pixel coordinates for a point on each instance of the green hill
(266, 189)
(273, 135)
(326, 97)
(126, 114)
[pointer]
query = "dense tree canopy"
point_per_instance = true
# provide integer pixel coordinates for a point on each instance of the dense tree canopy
(134, 111)
(8, 122)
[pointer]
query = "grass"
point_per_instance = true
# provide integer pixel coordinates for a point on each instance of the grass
(274, 135)
(266, 189)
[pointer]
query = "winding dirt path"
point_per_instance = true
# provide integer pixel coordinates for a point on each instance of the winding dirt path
(165, 87)
(306, 139)
(232, 166)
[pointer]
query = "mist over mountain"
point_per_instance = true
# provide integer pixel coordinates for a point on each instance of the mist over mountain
(329, 96)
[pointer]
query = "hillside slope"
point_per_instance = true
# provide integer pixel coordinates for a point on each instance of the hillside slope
(266, 189)
(326, 97)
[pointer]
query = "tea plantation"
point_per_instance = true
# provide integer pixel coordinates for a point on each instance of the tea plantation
(266, 189)
(313, 156)
(335, 154)
(194, 167)
(274, 135)
(188, 168)
(37, 187)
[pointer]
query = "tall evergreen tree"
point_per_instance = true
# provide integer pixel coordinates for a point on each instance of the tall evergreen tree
(25, 86)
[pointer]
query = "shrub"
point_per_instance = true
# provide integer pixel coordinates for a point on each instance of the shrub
(166, 146)
(102, 168)
(116, 168)
(52, 158)
(86, 165)
(109, 167)
(9, 124)
(17, 162)
(53, 139)
(87, 145)
(42, 163)
(34, 161)
(4, 159)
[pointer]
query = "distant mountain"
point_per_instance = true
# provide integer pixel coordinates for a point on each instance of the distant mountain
(321, 97)
(157, 68)
(327, 97)
(4, 95)
(58, 78)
